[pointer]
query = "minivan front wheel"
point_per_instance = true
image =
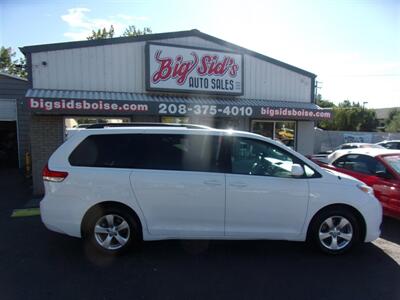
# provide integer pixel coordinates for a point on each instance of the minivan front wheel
(335, 231)
(111, 230)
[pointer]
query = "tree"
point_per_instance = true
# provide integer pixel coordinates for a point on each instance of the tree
(129, 31)
(351, 116)
(325, 103)
(10, 65)
(102, 34)
(393, 123)
(133, 31)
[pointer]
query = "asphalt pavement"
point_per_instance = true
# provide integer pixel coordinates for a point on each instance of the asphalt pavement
(38, 264)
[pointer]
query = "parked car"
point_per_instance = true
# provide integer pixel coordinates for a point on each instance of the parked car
(322, 156)
(116, 186)
(378, 168)
(395, 144)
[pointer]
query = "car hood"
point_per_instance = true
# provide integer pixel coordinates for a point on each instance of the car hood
(344, 178)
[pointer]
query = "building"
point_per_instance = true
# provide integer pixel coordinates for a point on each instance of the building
(382, 115)
(185, 76)
(14, 121)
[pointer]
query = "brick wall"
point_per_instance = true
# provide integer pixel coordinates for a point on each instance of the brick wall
(46, 135)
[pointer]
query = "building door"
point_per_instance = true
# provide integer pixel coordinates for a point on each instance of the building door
(8, 144)
(264, 128)
(8, 134)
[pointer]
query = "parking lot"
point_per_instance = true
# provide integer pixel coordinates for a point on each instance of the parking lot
(38, 264)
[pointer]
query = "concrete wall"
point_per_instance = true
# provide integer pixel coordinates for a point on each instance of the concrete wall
(121, 68)
(46, 135)
(305, 137)
(327, 140)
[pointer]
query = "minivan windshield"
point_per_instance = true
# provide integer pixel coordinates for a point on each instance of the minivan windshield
(393, 161)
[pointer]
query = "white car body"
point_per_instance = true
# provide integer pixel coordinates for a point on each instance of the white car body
(201, 205)
(367, 151)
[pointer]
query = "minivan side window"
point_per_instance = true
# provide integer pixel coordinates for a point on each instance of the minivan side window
(150, 151)
(110, 151)
(184, 152)
(254, 157)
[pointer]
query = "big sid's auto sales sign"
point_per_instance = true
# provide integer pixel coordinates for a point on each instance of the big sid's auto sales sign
(193, 70)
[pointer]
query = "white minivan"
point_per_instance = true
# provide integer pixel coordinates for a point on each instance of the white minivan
(116, 185)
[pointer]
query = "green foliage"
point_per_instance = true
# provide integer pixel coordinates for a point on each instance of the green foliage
(129, 31)
(133, 31)
(10, 65)
(102, 34)
(325, 103)
(393, 123)
(351, 116)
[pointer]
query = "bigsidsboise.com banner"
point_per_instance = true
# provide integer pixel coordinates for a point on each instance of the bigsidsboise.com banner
(175, 109)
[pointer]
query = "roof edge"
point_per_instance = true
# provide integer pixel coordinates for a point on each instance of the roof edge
(13, 76)
(160, 36)
(109, 41)
(110, 95)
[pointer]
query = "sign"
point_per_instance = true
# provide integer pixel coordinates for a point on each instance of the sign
(357, 137)
(119, 107)
(193, 70)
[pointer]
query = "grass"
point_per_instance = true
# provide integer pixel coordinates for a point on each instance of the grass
(25, 212)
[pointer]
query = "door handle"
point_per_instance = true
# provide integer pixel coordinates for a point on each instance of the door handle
(238, 184)
(212, 182)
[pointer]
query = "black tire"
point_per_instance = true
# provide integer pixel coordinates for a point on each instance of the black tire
(343, 243)
(100, 216)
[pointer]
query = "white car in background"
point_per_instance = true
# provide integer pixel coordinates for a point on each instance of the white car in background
(393, 144)
(323, 156)
(116, 185)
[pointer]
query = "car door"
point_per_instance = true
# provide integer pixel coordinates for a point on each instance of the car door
(392, 204)
(181, 186)
(262, 198)
(366, 169)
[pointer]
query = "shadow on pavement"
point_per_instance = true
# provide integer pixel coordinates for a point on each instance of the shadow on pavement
(39, 264)
(52, 265)
(391, 230)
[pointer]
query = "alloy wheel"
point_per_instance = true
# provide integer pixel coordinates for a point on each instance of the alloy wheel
(112, 232)
(335, 233)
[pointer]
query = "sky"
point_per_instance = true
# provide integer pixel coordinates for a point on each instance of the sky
(353, 46)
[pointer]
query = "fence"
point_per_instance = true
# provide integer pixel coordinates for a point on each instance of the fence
(326, 140)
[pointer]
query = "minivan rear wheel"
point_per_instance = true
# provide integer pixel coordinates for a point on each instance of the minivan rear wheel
(335, 231)
(111, 230)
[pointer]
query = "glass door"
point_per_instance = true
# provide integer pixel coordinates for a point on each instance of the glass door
(264, 128)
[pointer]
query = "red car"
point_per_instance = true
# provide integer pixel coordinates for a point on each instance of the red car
(378, 168)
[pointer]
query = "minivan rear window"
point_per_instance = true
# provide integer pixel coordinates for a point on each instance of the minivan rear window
(150, 151)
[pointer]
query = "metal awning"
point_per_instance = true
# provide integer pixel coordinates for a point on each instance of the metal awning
(96, 102)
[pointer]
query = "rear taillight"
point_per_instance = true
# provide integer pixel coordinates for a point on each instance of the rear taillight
(54, 176)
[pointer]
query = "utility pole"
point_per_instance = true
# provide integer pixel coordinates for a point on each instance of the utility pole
(316, 87)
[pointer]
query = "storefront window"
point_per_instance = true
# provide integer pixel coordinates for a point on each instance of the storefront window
(176, 120)
(73, 123)
(283, 131)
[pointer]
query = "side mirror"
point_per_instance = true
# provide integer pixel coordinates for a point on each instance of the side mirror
(383, 174)
(297, 170)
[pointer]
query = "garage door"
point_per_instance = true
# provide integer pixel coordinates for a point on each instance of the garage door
(8, 110)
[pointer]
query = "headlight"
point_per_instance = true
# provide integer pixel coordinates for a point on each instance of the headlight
(365, 188)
